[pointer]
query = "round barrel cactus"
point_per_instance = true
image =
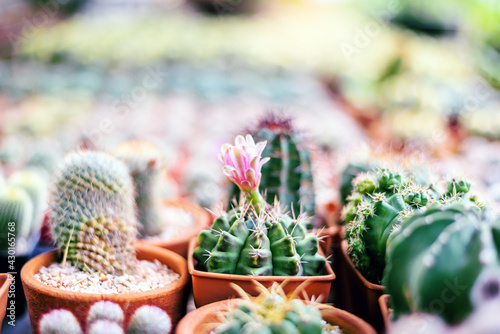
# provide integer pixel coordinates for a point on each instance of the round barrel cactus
(93, 213)
(444, 261)
(16, 214)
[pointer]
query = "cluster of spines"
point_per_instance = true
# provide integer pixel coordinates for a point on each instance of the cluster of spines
(93, 214)
(147, 168)
(258, 245)
(107, 317)
(273, 312)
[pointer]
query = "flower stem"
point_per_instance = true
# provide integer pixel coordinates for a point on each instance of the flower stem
(256, 199)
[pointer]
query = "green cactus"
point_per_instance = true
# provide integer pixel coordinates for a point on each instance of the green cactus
(269, 244)
(92, 213)
(380, 200)
(36, 187)
(273, 312)
(59, 322)
(16, 214)
(444, 261)
(149, 320)
(288, 175)
(147, 168)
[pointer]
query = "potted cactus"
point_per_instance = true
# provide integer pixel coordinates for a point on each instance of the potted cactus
(272, 311)
(107, 317)
(22, 202)
(254, 241)
(93, 221)
(381, 199)
(158, 217)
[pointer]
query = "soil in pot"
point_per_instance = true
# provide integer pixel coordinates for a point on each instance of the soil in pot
(43, 298)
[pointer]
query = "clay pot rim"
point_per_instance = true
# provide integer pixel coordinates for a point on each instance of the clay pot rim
(222, 306)
(29, 280)
(384, 307)
(330, 276)
(6, 279)
(368, 284)
(202, 221)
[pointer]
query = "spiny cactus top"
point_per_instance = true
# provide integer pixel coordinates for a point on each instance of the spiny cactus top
(274, 312)
(147, 167)
(268, 244)
(379, 202)
(445, 261)
(92, 217)
(288, 175)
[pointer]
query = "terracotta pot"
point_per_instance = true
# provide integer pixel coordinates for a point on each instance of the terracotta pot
(354, 293)
(5, 280)
(43, 298)
(207, 318)
(386, 311)
(202, 218)
(212, 287)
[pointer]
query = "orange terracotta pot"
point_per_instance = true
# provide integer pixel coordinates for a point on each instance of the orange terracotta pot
(5, 280)
(208, 317)
(203, 220)
(354, 293)
(212, 287)
(386, 311)
(42, 298)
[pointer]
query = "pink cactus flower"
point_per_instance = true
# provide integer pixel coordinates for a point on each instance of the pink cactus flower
(243, 162)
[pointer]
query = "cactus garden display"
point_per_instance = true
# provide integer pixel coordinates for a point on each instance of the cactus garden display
(256, 238)
(93, 220)
(444, 261)
(377, 206)
(288, 175)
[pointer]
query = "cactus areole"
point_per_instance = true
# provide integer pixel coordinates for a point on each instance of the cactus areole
(255, 238)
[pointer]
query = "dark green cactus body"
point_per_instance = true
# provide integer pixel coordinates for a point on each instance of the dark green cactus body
(16, 214)
(93, 214)
(288, 174)
(445, 261)
(278, 247)
(348, 175)
(376, 208)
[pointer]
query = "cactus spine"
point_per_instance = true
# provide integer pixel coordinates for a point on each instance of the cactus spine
(273, 312)
(16, 214)
(444, 261)
(147, 168)
(288, 175)
(263, 245)
(379, 202)
(92, 216)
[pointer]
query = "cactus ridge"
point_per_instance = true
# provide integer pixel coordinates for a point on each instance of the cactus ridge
(380, 202)
(92, 213)
(271, 243)
(452, 247)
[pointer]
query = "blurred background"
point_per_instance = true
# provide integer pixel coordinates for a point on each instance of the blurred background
(358, 79)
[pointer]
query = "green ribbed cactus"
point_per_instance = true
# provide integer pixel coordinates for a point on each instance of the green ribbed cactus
(16, 214)
(444, 261)
(380, 200)
(36, 187)
(268, 244)
(92, 213)
(274, 312)
(147, 168)
(288, 174)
